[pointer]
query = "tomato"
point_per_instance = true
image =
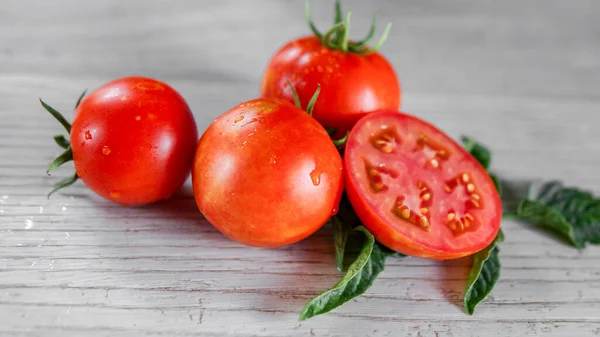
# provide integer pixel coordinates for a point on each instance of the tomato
(419, 192)
(353, 81)
(133, 141)
(266, 174)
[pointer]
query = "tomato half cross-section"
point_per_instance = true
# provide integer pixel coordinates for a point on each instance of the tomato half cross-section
(267, 174)
(418, 191)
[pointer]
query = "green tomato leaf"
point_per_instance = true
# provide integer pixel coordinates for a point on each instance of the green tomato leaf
(498, 184)
(483, 275)
(480, 152)
(61, 141)
(485, 270)
(571, 213)
(340, 237)
(483, 156)
(359, 277)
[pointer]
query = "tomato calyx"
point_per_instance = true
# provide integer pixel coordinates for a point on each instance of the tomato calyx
(62, 141)
(337, 37)
(311, 104)
(339, 143)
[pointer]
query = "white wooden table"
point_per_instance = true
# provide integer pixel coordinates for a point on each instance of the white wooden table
(522, 77)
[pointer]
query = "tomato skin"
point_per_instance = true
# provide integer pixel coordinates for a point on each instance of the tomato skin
(266, 174)
(375, 209)
(133, 141)
(351, 84)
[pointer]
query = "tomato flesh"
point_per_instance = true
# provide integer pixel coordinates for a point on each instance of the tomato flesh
(266, 174)
(417, 190)
(351, 84)
(133, 140)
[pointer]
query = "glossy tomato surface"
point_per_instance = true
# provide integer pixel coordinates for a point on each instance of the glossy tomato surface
(418, 191)
(133, 140)
(266, 174)
(351, 84)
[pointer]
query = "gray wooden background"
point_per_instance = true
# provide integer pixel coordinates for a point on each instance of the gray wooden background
(523, 77)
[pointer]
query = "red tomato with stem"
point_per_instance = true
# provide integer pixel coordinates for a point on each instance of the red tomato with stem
(418, 191)
(132, 141)
(355, 79)
(266, 174)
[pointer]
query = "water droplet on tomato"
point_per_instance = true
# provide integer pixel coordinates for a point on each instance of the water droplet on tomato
(334, 211)
(238, 119)
(106, 150)
(88, 135)
(320, 69)
(115, 194)
(315, 176)
(138, 118)
(329, 69)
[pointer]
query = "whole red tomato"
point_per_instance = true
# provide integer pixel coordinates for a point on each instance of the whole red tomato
(266, 174)
(419, 192)
(132, 141)
(354, 78)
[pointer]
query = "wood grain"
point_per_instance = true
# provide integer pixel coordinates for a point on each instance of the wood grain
(520, 76)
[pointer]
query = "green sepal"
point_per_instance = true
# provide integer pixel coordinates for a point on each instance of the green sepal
(59, 117)
(313, 100)
(340, 143)
(61, 141)
(64, 183)
(360, 44)
(64, 157)
(80, 98)
(360, 50)
(311, 24)
(295, 95)
(337, 37)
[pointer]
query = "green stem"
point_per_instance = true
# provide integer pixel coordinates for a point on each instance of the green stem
(346, 33)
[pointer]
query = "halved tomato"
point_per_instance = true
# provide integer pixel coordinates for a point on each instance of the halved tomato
(418, 191)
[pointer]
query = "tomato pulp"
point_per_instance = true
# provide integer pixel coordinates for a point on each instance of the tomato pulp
(133, 140)
(266, 174)
(351, 84)
(418, 191)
